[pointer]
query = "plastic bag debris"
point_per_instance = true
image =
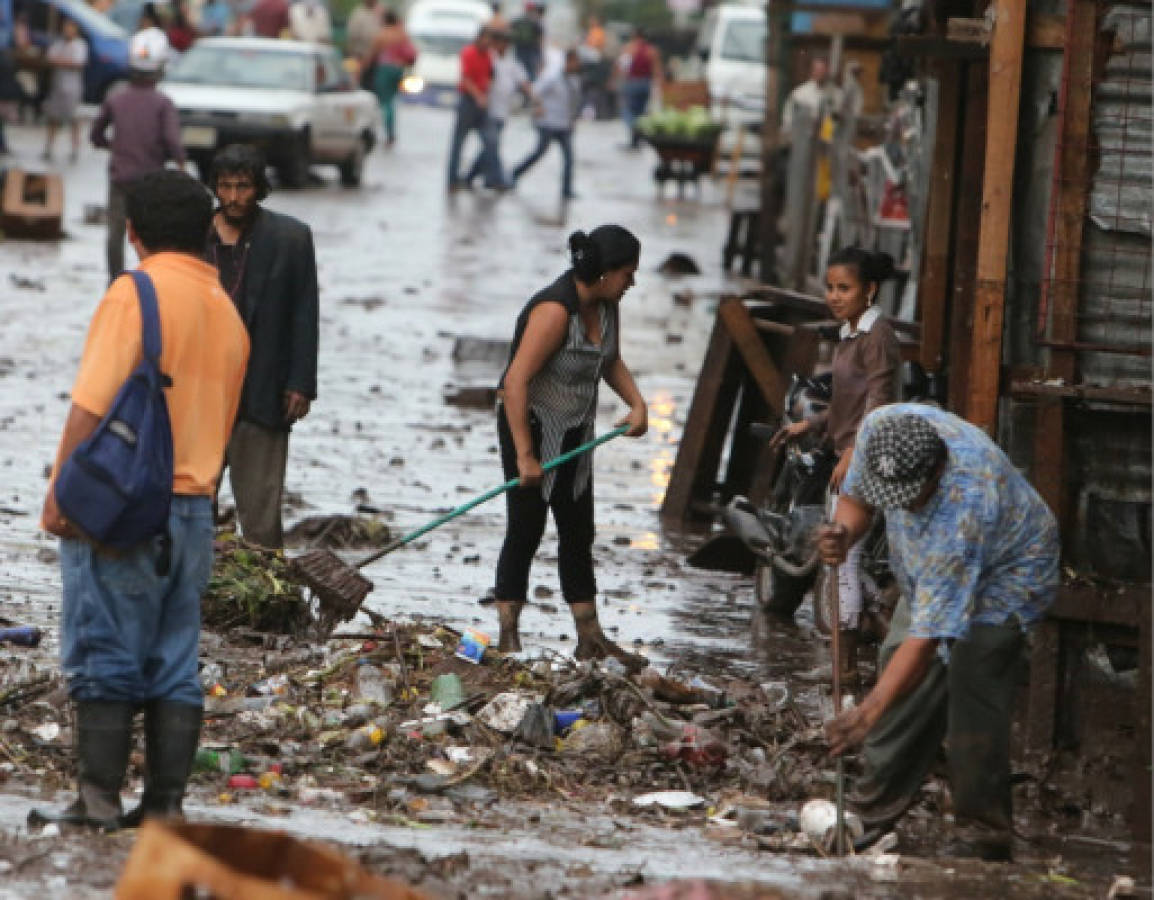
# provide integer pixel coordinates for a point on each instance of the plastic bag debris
(670, 800)
(818, 820)
(505, 711)
(536, 727)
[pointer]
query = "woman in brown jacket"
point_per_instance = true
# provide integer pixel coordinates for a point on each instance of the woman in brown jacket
(865, 367)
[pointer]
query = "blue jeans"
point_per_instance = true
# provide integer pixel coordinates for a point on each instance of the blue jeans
(128, 634)
(634, 100)
(489, 163)
(470, 117)
(545, 136)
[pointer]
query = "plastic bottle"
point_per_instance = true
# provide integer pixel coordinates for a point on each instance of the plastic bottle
(372, 687)
(227, 761)
(367, 737)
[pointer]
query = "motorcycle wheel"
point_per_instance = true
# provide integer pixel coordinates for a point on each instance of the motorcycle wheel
(778, 593)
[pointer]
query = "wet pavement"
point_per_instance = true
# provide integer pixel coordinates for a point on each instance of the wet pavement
(405, 269)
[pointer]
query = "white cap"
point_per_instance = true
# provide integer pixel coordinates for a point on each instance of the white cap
(148, 51)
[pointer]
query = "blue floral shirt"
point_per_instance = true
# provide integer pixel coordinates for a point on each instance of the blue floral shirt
(983, 550)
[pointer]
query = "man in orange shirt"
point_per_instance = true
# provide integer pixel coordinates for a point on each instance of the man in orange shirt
(129, 634)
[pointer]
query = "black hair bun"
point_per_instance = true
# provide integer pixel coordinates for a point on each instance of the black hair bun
(881, 267)
(584, 256)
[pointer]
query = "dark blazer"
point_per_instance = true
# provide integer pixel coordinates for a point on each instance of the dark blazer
(278, 302)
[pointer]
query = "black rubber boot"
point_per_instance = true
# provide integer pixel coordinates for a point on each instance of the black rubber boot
(103, 742)
(172, 734)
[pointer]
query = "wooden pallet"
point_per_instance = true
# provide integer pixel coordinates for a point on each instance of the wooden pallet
(753, 352)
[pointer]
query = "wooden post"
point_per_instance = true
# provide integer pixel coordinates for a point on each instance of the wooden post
(1072, 176)
(694, 473)
(801, 197)
(776, 56)
(967, 213)
(766, 375)
(935, 281)
(1006, 49)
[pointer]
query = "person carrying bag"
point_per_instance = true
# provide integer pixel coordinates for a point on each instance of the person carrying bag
(116, 487)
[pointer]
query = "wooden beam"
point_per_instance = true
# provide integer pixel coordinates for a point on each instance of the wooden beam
(1130, 396)
(967, 210)
(1068, 209)
(695, 468)
(1045, 32)
(1072, 183)
(997, 198)
(772, 193)
(739, 323)
(933, 291)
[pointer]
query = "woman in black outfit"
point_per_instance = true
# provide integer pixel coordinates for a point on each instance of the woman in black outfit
(566, 342)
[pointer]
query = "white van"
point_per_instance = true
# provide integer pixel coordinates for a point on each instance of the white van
(731, 46)
(440, 29)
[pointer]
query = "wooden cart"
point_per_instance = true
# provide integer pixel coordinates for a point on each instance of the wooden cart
(683, 159)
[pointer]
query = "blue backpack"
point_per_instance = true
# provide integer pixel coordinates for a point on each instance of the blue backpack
(116, 487)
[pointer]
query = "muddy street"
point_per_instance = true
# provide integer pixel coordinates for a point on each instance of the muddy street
(405, 271)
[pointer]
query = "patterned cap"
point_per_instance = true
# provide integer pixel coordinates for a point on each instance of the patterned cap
(900, 457)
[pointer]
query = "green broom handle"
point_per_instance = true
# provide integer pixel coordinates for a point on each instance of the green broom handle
(490, 494)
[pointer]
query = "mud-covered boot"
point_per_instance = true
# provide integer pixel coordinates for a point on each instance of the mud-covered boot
(509, 617)
(593, 644)
(103, 743)
(172, 734)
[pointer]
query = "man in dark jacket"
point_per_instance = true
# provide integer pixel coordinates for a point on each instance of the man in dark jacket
(267, 265)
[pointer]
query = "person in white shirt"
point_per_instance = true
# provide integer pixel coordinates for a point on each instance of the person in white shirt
(557, 96)
(818, 96)
(509, 78)
(309, 21)
(67, 56)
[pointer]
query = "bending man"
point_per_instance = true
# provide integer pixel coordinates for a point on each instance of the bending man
(975, 551)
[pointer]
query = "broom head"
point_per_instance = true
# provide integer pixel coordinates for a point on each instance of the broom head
(339, 588)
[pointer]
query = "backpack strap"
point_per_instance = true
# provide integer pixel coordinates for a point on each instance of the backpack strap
(149, 316)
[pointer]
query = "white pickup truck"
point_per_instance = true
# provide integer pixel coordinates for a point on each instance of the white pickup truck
(295, 100)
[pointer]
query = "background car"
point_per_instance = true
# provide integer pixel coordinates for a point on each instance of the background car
(294, 100)
(441, 29)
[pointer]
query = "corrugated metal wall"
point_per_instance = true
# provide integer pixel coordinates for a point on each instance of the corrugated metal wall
(1108, 446)
(1114, 299)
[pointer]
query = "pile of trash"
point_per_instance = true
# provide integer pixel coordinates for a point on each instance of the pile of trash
(417, 723)
(423, 723)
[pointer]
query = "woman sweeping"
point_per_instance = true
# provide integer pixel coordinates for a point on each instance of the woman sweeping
(865, 364)
(566, 341)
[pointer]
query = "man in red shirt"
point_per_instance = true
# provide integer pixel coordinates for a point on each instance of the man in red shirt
(472, 106)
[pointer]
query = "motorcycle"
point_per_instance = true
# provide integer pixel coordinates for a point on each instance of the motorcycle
(780, 533)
